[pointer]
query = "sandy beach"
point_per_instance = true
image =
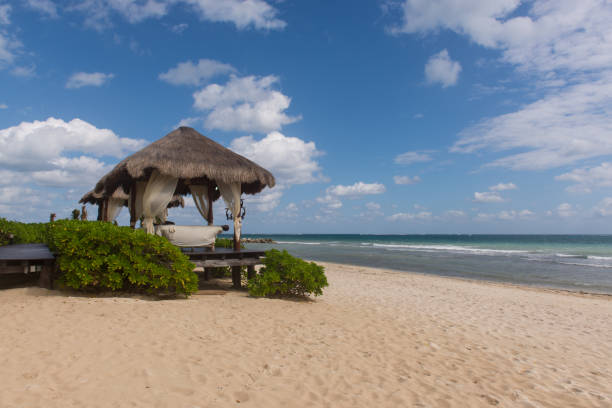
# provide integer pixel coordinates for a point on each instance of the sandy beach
(376, 338)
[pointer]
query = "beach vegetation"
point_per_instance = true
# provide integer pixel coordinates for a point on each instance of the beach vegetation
(286, 275)
(13, 232)
(100, 256)
(226, 243)
(103, 256)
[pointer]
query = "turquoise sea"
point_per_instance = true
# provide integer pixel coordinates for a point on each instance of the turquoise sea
(574, 262)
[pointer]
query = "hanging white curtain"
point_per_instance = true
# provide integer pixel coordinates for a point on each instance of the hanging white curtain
(114, 208)
(140, 189)
(231, 195)
(157, 195)
(200, 198)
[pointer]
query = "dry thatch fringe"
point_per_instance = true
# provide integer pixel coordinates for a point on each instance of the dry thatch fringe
(192, 158)
(96, 198)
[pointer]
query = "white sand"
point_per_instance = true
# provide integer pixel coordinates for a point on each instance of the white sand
(375, 339)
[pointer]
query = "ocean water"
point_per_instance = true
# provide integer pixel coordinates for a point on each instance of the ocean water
(574, 262)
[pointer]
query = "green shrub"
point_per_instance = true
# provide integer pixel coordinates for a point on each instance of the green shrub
(220, 272)
(102, 256)
(285, 275)
(226, 243)
(22, 233)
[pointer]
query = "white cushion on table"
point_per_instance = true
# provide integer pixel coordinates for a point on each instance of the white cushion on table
(189, 235)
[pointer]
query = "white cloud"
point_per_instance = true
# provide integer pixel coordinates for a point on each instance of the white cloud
(423, 215)
(43, 145)
(505, 215)
(11, 195)
(566, 126)
(244, 103)
(406, 179)
(5, 14)
(373, 212)
(8, 177)
(74, 171)
(44, 6)
(53, 153)
(550, 35)
(242, 13)
(564, 46)
(356, 190)
(24, 71)
(265, 201)
(331, 199)
(440, 68)
(81, 79)
(179, 28)
(412, 157)
(188, 73)
(137, 49)
(455, 213)
(3, 106)
(565, 210)
(98, 12)
(487, 197)
(189, 122)
(482, 217)
(512, 214)
(291, 211)
(6, 50)
(503, 187)
(291, 160)
(588, 178)
(8, 43)
(604, 207)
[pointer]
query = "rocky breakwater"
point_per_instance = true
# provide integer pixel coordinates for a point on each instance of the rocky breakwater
(259, 240)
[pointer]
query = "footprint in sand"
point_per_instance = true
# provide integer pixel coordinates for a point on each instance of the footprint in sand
(241, 396)
(490, 399)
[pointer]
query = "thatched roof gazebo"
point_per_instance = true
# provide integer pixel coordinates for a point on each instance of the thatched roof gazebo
(183, 162)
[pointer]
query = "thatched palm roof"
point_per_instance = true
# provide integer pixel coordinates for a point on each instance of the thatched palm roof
(96, 198)
(192, 158)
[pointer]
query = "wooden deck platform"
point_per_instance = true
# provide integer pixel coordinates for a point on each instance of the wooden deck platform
(221, 257)
(26, 259)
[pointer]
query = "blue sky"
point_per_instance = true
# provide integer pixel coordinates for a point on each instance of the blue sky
(375, 116)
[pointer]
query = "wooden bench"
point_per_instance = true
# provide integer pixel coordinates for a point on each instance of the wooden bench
(28, 259)
(221, 257)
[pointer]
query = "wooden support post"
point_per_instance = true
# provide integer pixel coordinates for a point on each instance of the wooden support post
(250, 272)
(45, 279)
(133, 206)
(236, 269)
(105, 211)
(211, 191)
(206, 274)
(236, 277)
